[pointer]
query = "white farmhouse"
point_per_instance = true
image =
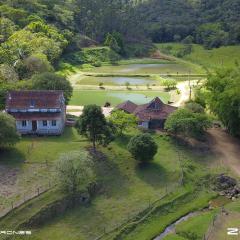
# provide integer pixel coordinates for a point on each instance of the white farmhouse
(37, 112)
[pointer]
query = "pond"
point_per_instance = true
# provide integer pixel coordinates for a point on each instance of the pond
(132, 81)
(116, 81)
(138, 98)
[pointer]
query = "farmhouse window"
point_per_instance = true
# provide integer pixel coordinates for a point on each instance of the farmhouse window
(54, 123)
(44, 123)
(24, 123)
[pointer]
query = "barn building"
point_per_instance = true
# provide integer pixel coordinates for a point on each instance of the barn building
(37, 112)
(151, 115)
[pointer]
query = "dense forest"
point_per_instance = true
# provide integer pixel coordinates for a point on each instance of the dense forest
(36, 34)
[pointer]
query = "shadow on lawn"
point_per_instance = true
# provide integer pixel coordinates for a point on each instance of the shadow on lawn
(152, 173)
(11, 156)
(110, 177)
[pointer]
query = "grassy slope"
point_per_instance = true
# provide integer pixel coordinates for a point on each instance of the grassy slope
(225, 56)
(28, 162)
(127, 190)
(159, 67)
(162, 218)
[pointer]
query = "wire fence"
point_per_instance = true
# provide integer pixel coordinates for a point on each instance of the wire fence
(131, 218)
(148, 206)
(141, 214)
(25, 197)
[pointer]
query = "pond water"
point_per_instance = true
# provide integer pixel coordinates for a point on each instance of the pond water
(137, 98)
(132, 81)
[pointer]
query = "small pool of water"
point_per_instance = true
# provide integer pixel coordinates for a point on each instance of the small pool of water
(132, 81)
(137, 98)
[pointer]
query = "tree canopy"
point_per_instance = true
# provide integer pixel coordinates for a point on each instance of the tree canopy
(8, 132)
(52, 81)
(75, 172)
(122, 121)
(187, 123)
(94, 126)
(223, 97)
(142, 147)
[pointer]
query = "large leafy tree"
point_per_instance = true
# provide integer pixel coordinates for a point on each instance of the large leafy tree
(122, 121)
(75, 172)
(52, 81)
(93, 125)
(224, 97)
(187, 123)
(8, 132)
(142, 147)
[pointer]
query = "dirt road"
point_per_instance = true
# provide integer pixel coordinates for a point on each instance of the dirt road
(227, 149)
(77, 110)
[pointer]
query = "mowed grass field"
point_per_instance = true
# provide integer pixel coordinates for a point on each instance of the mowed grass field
(30, 164)
(169, 67)
(225, 56)
(100, 97)
(128, 188)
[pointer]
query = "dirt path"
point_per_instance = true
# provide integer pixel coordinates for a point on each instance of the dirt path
(77, 110)
(219, 230)
(227, 148)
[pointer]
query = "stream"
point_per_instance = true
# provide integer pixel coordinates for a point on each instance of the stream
(171, 228)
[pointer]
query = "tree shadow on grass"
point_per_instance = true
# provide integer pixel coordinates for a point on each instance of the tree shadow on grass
(152, 173)
(123, 140)
(11, 156)
(110, 177)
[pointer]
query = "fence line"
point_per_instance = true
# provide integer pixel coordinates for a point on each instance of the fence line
(149, 205)
(26, 197)
(214, 223)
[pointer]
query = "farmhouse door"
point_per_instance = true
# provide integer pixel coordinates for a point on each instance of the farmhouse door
(34, 126)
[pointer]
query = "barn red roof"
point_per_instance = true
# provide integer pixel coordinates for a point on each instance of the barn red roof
(34, 99)
(127, 106)
(156, 109)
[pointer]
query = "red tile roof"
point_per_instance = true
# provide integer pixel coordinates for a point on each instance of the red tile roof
(34, 99)
(127, 106)
(156, 109)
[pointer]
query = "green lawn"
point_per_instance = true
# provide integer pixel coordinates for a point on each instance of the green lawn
(147, 68)
(196, 226)
(29, 165)
(225, 56)
(128, 189)
(100, 97)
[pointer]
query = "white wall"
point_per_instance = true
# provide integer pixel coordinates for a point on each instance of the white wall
(26, 128)
(144, 124)
(49, 129)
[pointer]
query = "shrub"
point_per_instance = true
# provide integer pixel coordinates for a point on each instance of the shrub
(142, 147)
